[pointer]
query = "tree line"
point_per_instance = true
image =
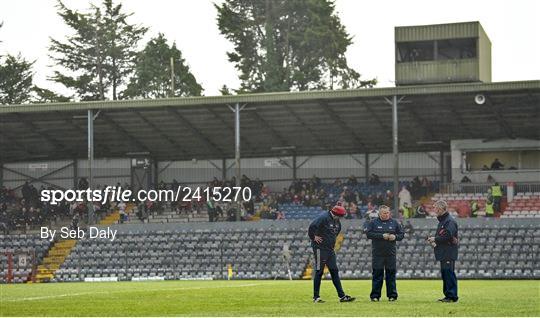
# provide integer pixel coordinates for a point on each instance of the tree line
(279, 45)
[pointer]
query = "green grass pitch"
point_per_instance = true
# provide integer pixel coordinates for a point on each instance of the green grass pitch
(265, 298)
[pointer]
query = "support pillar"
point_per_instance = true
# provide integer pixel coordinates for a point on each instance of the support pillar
(366, 166)
(223, 169)
(395, 137)
(294, 168)
(75, 173)
(441, 167)
(237, 151)
(90, 137)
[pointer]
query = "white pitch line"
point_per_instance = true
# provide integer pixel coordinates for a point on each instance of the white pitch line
(126, 291)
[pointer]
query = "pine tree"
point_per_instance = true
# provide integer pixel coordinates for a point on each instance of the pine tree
(152, 77)
(15, 80)
(282, 45)
(97, 59)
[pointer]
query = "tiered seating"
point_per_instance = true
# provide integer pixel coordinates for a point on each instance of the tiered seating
(297, 212)
(19, 246)
(460, 203)
(524, 205)
(171, 217)
(491, 250)
(188, 254)
(363, 187)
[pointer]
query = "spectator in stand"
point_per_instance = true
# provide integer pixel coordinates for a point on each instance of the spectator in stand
(26, 191)
(489, 204)
(389, 200)
(416, 188)
(496, 165)
(404, 197)
(372, 214)
(379, 200)
(352, 210)
(474, 208)
(265, 192)
(75, 222)
(406, 211)
(426, 186)
(249, 207)
(122, 210)
(82, 184)
(348, 195)
(496, 192)
(485, 168)
(219, 210)
(316, 181)
(231, 213)
(210, 207)
(374, 179)
(352, 181)
(142, 212)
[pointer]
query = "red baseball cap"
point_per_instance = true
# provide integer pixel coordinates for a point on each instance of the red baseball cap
(338, 210)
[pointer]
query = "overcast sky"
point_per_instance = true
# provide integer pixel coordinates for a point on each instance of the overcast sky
(512, 26)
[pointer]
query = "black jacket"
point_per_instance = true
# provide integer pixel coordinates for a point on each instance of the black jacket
(375, 230)
(326, 227)
(446, 238)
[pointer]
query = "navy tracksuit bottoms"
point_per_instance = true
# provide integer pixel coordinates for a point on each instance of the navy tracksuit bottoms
(448, 275)
(384, 268)
(328, 258)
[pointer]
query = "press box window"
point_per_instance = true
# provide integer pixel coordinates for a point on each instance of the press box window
(454, 49)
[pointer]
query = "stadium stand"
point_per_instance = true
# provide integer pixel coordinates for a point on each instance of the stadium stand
(490, 248)
(202, 253)
(524, 205)
(25, 251)
(459, 202)
(298, 212)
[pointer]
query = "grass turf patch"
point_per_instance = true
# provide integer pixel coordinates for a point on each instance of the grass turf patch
(265, 298)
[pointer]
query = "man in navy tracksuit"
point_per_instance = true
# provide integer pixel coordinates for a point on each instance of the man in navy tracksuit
(446, 243)
(384, 232)
(323, 232)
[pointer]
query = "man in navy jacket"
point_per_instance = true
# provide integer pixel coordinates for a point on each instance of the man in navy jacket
(445, 243)
(383, 233)
(323, 232)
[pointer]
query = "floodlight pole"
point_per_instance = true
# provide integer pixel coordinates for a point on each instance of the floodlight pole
(90, 205)
(172, 76)
(395, 137)
(237, 151)
(395, 150)
(236, 110)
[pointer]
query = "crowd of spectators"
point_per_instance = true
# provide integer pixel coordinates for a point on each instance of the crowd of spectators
(312, 193)
(28, 211)
(22, 209)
